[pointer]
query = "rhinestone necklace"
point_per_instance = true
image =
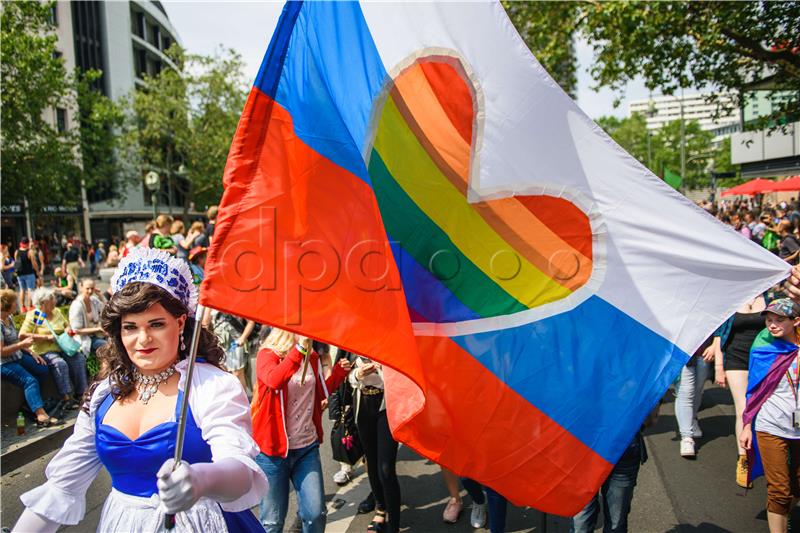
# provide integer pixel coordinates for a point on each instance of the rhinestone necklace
(148, 385)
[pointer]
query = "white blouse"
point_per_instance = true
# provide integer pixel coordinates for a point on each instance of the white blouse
(220, 409)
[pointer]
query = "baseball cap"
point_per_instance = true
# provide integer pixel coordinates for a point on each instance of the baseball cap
(782, 307)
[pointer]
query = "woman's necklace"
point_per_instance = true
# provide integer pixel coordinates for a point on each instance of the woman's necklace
(148, 385)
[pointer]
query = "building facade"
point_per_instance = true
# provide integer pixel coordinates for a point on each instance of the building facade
(659, 110)
(128, 41)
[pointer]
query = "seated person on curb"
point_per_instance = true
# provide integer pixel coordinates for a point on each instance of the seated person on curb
(84, 317)
(64, 285)
(68, 371)
(18, 366)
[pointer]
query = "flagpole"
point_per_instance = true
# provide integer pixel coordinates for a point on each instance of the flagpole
(307, 346)
(169, 519)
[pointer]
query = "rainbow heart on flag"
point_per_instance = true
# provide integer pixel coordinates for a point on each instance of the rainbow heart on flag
(474, 260)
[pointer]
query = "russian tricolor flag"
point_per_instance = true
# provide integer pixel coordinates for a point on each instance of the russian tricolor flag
(408, 183)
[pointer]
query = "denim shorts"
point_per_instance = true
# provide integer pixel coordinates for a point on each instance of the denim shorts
(27, 281)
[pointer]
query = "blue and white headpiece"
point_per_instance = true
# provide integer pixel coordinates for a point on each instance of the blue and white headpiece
(149, 265)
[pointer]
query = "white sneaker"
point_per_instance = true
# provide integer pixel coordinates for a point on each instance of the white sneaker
(342, 477)
(697, 433)
(477, 518)
(687, 447)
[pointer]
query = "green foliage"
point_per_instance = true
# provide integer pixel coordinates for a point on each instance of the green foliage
(715, 46)
(218, 92)
(100, 121)
(37, 161)
(188, 117)
(548, 29)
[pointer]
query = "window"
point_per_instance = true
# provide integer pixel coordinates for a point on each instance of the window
(54, 14)
(61, 119)
(57, 54)
(155, 35)
(139, 24)
(166, 42)
(141, 62)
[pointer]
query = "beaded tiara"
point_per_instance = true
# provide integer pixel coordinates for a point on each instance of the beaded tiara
(148, 265)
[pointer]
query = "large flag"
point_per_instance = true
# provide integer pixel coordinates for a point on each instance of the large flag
(408, 183)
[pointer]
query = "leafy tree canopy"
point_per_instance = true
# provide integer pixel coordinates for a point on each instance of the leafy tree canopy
(716, 46)
(184, 119)
(39, 162)
(37, 159)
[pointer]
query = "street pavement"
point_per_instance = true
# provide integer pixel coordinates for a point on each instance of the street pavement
(672, 495)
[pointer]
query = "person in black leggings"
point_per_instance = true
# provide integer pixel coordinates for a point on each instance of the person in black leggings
(380, 448)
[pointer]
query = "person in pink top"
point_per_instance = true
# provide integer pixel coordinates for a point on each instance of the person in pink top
(287, 426)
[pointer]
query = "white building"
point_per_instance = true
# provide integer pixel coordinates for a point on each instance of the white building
(125, 40)
(660, 110)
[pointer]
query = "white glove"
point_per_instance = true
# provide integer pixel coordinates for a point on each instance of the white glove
(30, 521)
(178, 489)
(224, 481)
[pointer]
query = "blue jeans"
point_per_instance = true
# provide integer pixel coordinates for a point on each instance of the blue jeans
(27, 282)
(690, 392)
(617, 492)
(304, 468)
(97, 343)
(26, 373)
(497, 503)
(63, 366)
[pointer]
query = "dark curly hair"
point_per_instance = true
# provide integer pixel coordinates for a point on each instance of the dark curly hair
(137, 297)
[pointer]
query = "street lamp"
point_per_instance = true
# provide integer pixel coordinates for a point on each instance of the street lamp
(152, 181)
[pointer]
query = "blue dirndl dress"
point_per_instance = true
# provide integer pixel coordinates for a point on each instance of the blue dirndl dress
(133, 464)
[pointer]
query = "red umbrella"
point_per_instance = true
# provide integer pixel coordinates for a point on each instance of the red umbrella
(753, 187)
(789, 184)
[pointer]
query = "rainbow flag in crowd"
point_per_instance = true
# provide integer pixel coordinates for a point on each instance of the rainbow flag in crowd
(408, 183)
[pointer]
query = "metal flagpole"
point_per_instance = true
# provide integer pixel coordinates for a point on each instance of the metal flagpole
(169, 519)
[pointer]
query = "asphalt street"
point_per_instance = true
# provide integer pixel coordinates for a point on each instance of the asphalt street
(672, 495)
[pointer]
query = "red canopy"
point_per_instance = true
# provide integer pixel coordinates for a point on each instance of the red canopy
(756, 186)
(789, 184)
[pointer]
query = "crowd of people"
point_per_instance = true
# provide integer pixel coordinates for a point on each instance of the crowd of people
(249, 441)
(776, 227)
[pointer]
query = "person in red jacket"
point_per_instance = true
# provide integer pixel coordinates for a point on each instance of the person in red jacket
(287, 426)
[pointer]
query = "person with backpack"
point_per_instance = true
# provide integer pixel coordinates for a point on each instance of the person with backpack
(341, 410)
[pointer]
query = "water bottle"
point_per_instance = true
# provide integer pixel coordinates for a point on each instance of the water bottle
(20, 424)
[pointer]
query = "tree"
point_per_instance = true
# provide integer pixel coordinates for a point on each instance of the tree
(548, 29)
(218, 92)
(186, 117)
(103, 165)
(41, 163)
(38, 161)
(716, 46)
(699, 152)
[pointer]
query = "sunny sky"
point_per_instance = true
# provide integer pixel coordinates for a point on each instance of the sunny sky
(248, 26)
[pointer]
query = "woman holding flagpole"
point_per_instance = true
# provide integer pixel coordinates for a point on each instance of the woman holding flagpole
(128, 421)
(287, 425)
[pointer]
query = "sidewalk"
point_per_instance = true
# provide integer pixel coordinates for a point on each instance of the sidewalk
(17, 450)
